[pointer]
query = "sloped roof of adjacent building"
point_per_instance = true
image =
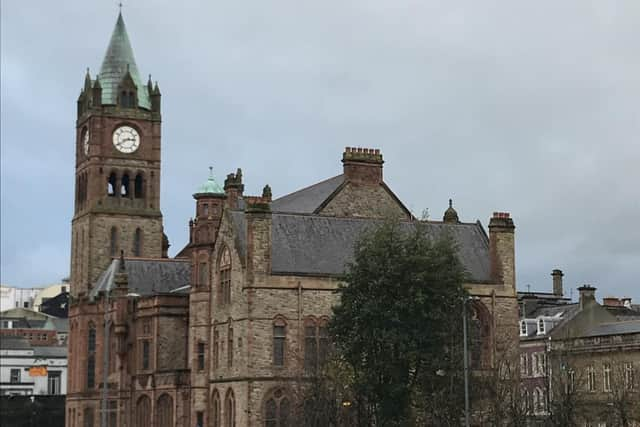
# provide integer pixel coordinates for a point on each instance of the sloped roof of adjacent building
(50, 351)
(117, 61)
(9, 342)
(309, 199)
(322, 245)
(146, 276)
(615, 328)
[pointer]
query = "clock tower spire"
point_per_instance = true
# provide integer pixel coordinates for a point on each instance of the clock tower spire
(118, 140)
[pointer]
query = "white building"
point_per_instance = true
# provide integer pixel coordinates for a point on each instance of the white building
(31, 370)
(13, 297)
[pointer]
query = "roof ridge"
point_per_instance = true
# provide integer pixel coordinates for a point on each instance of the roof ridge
(307, 187)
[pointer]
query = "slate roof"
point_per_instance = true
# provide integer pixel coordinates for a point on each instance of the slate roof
(615, 328)
(321, 245)
(623, 313)
(308, 199)
(117, 59)
(9, 342)
(147, 276)
(50, 351)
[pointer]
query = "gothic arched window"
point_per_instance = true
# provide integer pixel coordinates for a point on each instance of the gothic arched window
(225, 277)
(164, 411)
(279, 341)
(277, 410)
(143, 411)
(91, 357)
(310, 346)
(479, 336)
(137, 242)
(229, 410)
(215, 409)
(230, 346)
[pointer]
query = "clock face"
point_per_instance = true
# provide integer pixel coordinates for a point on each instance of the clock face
(85, 141)
(126, 139)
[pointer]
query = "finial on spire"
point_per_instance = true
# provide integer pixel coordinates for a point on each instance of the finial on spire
(120, 6)
(450, 203)
(210, 171)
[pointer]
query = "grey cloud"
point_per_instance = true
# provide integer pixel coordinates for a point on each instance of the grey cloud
(526, 107)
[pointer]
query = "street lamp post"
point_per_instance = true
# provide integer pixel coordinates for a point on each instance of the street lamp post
(466, 362)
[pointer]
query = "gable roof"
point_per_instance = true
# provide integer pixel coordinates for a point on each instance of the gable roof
(309, 199)
(146, 276)
(323, 245)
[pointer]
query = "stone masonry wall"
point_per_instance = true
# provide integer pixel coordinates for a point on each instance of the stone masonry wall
(364, 201)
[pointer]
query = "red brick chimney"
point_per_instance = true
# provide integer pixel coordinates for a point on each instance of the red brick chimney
(362, 165)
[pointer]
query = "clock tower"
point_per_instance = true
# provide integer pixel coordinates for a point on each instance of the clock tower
(117, 197)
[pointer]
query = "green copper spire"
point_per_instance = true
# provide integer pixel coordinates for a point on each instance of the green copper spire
(117, 60)
(209, 187)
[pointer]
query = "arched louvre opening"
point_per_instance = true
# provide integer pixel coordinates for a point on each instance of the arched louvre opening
(111, 184)
(124, 188)
(138, 186)
(164, 411)
(143, 411)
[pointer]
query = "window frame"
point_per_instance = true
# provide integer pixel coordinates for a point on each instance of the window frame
(279, 343)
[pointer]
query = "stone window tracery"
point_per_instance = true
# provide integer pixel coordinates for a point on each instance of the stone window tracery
(277, 409)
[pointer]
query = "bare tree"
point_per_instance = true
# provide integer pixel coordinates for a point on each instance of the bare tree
(622, 401)
(564, 391)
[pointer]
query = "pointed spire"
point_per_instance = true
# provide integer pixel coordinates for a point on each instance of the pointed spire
(87, 80)
(149, 85)
(118, 61)
(96, 83)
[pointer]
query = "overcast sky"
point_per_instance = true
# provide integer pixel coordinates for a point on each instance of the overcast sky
(527, 107)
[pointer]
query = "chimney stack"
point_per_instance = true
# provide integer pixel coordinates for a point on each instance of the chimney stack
(502, 249)
(557, 282)
(587, 296)
(362, 165)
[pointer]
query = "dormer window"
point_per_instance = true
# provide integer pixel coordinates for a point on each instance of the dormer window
(541, 326)
(523, 328)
